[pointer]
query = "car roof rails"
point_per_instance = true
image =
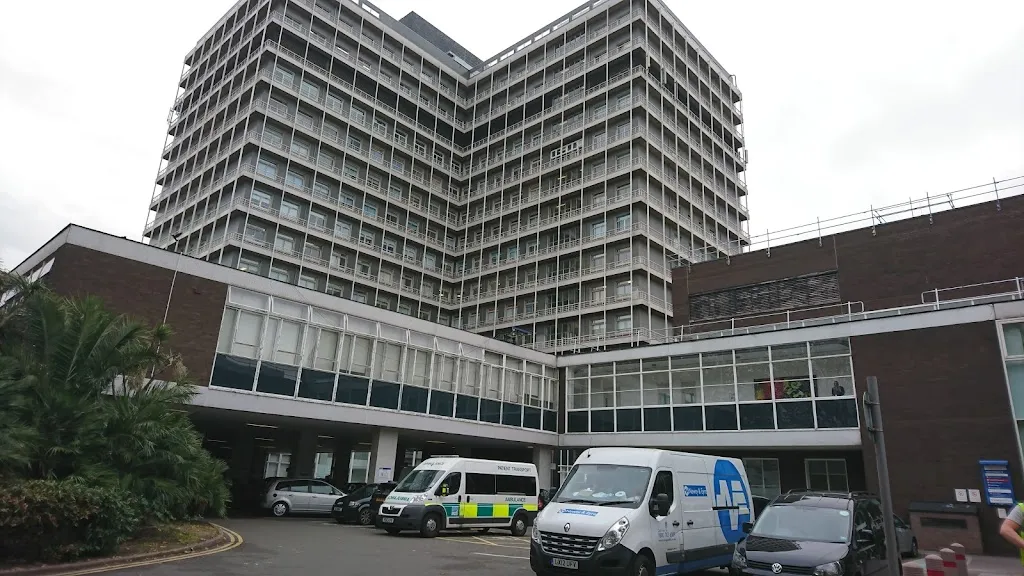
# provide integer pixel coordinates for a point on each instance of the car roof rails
(829, 493)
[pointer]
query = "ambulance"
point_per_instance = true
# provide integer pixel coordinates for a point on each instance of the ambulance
(450, 492)
(641, 512)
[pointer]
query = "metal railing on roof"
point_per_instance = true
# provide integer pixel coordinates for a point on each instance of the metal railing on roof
(876, 215)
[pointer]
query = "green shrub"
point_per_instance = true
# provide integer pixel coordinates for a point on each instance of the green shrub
(48, 520)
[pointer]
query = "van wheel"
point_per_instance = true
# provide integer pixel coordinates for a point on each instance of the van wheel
(279, 509)
(642, 566)
(431, 525)
(519, 525)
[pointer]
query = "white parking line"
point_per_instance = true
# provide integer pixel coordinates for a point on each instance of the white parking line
(502, 556)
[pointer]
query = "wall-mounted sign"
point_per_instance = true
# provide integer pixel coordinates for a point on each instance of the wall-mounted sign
(996, 482)
(974, 495)
(960, 494)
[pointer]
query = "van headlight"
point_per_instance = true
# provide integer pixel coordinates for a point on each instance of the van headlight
(535, 533)
(830, 569)
(614, 534)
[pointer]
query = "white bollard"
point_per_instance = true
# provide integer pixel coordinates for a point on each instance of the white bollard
(948, 562)
(961, 558)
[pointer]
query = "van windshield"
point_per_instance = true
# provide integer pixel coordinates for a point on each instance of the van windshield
(418, 481)
(803, 523)
(605, 485)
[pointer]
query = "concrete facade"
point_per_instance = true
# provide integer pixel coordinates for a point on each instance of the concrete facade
(538, 197)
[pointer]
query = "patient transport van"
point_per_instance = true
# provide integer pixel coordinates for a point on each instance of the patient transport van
(453, 492)
(641, 512)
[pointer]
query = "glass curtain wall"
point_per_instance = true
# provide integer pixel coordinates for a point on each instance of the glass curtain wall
(806, 385)
(284, 348)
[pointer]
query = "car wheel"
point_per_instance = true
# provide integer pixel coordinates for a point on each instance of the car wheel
(519, 525)
(914, 552)
(392, 531)
(279, 509)
(365, 518)
(642, 566)
(431, 525)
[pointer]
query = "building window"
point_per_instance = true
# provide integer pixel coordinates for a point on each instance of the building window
(257, 233)
(827, 474)
(354, 143)
(277, 465)
(359, 467)
(370, 210)
(763, 475)
(296, 180)
(247, 265)
(267, 168)
(317, 220)
(279, 274)
(324, 464)
(300, 148)
(351, 172)
(284, 243)
(307, 282)
(289, 210)
(260, 199)
(1013, 353)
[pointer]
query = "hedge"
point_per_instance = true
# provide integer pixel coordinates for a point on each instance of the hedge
(49, 520)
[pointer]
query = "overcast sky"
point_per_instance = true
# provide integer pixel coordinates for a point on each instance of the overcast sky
(846, 105)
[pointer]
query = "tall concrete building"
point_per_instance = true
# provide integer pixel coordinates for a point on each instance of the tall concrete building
(538, 197)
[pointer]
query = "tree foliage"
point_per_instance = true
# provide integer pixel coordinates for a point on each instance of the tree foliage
(91, 397)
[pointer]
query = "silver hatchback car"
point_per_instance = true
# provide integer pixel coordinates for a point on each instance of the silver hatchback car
(303, 495)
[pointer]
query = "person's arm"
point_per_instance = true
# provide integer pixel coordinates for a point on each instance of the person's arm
(1011, 526)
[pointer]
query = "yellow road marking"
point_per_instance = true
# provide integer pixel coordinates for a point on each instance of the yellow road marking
(235, 540)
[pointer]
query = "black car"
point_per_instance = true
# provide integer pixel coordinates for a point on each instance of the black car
(355, 506)
(811, 532)
(380, 493)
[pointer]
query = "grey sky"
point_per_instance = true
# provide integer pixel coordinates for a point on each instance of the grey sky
(846, 105)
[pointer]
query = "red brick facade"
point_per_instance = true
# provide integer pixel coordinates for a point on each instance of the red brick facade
(140, 290)
(944, 394)
(885, 266)
(944, 408)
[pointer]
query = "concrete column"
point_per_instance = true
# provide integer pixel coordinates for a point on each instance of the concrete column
(543, 457)
(384, 452)
(304, 455)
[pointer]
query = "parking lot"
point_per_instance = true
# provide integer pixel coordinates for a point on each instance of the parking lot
(312, 546)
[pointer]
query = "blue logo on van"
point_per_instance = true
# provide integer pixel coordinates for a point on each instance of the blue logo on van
(731, 494)
(694, 490)
(578, 512)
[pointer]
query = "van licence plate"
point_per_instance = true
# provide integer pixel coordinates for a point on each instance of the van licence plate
(563, 563)
(387, 520)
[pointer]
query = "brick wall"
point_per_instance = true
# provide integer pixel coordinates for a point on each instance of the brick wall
(944, 407)
(890, 265)
(140, 290)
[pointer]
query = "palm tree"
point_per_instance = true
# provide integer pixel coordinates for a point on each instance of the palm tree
(89, 395)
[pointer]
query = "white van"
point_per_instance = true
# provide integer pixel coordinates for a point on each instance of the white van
(453, 492)
(641, 512)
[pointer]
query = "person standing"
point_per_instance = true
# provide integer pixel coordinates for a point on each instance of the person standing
(1011, 530)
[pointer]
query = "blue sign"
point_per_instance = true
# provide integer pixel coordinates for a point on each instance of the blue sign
(995, 478)
(694, 490)
(577, 512)
(730, 495)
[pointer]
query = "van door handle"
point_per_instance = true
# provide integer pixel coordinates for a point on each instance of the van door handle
(689, 522)
(676, 523)
(467, 497)
(460, 497)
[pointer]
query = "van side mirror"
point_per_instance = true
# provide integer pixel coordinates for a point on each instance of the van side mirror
(747, 527)
(660, 504)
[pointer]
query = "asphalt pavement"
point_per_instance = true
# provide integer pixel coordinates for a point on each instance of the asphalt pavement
(313, 546)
